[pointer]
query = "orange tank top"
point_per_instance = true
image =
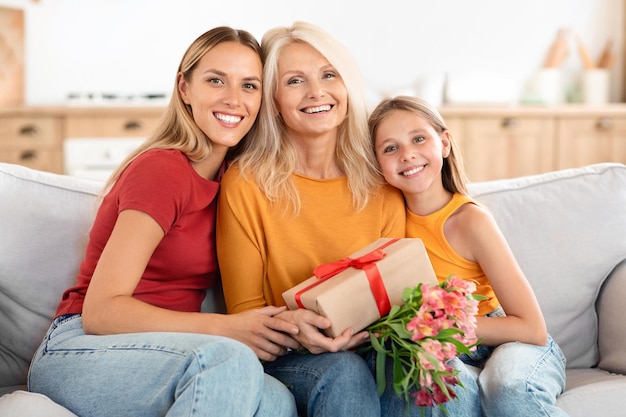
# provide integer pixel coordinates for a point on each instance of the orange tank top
(445, 260)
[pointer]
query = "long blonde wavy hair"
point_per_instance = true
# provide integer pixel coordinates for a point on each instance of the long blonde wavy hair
(177, 128)
(270, 156)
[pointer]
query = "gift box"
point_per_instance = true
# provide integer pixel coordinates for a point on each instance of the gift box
(358, 290)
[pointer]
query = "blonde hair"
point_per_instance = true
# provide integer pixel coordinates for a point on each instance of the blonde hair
(177, 128)
(452, 173)
(270, 157)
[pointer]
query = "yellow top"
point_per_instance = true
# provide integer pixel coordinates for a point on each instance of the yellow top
(444, 259)
(264, 250)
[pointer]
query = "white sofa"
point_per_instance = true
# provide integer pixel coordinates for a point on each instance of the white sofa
(567, 228)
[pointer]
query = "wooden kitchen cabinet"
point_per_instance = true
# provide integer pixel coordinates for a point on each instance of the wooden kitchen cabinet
(114, 124)
(507, 146)
(503, 142)
(587, 140)
(31, 140)
(509, 141)
(34, 136)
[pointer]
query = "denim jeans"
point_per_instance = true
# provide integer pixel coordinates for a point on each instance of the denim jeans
(343, 384)
(153, 374)
(328, 384)
(519, 379)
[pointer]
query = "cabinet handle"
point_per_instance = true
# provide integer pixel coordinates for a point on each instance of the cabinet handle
(604, 123)
(28, 156)
(509, 122)
(28, 130)
(132, 125)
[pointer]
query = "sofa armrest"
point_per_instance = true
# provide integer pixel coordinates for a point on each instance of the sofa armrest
(611, 329)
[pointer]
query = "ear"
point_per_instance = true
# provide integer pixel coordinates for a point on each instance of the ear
(447, 144)
(182, 87)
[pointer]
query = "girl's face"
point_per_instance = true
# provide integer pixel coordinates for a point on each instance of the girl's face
(310, 94)
(410, 151)
(224, 92)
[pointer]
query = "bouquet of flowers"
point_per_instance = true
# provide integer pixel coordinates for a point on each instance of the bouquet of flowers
(435, 323)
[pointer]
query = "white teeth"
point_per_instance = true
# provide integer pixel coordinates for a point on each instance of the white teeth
(319, 109)
(228, 119)
(412, 171)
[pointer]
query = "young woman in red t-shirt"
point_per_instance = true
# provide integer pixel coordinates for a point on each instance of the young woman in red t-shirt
(129, 338)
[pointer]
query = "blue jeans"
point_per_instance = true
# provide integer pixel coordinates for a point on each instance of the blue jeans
(519, 379)
(343, 384)
(153, 374)
(328, 384)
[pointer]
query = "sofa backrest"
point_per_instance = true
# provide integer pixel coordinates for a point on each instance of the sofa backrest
(568, 232)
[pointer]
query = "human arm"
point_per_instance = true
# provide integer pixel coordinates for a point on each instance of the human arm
(110, 308)
(473, 233)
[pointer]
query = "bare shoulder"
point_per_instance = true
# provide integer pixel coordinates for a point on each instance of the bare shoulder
(470, 229)
(471, 216)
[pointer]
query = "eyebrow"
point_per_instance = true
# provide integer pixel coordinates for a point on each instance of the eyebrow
(292, 72)
(385, 142)
(223, 74)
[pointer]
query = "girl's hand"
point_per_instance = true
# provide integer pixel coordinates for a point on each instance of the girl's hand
(312, 339)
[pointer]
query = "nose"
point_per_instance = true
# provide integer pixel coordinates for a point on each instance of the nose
(315, 89)
(232, 96)
(407, 153)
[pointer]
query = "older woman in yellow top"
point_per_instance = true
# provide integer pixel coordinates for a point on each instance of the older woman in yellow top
(306, 191)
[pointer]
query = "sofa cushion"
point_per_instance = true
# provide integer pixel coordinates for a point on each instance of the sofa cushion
(611, 329)
(567, 231)
(29, 404)
(593, 392)
(44, 219)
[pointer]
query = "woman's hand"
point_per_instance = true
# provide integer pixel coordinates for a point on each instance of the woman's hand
(311, 338)
(266, 334)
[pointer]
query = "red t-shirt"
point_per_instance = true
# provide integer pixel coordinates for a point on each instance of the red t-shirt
(163, 184)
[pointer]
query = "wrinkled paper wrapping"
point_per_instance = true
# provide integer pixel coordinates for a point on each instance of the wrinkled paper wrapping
(347, 298)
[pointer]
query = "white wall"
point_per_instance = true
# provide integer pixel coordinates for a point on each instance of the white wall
(133, 46)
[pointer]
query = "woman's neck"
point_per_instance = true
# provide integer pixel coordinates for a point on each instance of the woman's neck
(209, 167)
(317, 157)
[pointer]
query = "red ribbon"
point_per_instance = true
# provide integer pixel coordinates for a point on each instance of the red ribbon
(367, 263)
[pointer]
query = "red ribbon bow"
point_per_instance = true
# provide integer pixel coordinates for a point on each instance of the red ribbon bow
(331, 269)
(367, 263)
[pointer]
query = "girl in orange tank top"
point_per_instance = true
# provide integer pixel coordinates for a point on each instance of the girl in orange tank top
(418, 155)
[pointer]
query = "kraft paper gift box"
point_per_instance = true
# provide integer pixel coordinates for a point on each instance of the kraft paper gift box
(358, 290)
